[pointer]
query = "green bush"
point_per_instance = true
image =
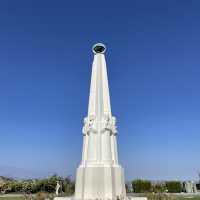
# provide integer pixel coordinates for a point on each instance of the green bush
(16, 186)
(159, 188)
(140, 186)
(174, 186)
(68, 186)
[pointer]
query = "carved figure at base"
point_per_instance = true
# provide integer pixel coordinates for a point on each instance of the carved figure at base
(57, 188)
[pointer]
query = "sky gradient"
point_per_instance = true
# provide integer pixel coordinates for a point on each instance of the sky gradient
(153, 66)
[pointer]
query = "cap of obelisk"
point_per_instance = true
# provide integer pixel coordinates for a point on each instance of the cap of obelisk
(99, 176)
(99, 48)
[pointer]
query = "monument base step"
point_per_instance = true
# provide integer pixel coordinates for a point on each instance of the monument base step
(127, 198)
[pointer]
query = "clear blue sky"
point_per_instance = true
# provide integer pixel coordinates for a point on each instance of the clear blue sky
(153, 63)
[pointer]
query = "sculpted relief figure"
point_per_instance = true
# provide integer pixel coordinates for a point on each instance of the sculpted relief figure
(109, 124)
(89, 125)
(114, 127)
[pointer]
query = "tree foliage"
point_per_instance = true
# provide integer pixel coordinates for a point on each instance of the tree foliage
(47, 185)
(159, 188)
(141, 186)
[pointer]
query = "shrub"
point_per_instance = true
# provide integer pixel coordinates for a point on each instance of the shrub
(47, 185)
(174, 186)
(68, 186)
(42, 195)
(160, 196)
(159, 188)
(5, 188)
(16, 186)
(140, 186)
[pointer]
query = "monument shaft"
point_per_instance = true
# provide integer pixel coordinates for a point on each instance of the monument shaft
(99, 175)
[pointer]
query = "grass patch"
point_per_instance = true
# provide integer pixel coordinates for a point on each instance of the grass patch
(188, 198)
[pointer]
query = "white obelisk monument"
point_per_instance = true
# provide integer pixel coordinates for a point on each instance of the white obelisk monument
(99, 175)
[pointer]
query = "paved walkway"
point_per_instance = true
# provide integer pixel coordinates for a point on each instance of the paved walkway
(11, 195)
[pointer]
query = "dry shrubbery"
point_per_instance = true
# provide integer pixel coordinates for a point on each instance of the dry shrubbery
(44, 195)
(159, 196)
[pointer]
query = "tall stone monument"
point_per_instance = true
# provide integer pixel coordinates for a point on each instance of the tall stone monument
(99, 175)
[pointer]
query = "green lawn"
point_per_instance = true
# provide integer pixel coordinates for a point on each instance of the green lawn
(175, 198)
(189, 198)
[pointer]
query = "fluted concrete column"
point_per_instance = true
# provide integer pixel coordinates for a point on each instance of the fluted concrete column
(99, 175)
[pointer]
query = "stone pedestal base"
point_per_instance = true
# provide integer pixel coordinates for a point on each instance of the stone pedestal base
(63, 198)
(100, 182)
(127, 198)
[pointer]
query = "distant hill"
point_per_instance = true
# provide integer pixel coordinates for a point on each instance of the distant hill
(19, 173)
(3, 178)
